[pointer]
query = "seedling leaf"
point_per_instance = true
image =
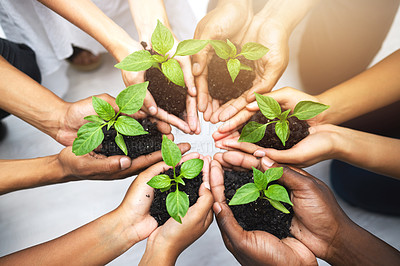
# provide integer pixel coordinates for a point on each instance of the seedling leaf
(137, 61)
(94, 118)
(245, 194)
(90, 136)
(170, 152)
(278, 193)
(221, 48)
(177, 205)
(162, 39)
(119, 139)
(160, 181)
(273, 174)
(307, 109)
(252, 132)
(130, 100)
(173, 71)
(269, 107)
(233, 68)
(282, 130)
(179, 180)
(190, 47)
(128, 126)
(259, 179)
(103, 108)
(233, 49)
(192, 168)
(284, 115)
(279, 206)
(245, 67)
(253, 51)
(158, 58)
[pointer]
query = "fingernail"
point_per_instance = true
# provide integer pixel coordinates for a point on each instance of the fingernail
(152, 110)
(252, 105)
(207, 185)
(311, 130)
(124, 163)
(217, 208)
(193, 90)
(259, 153)
(267, 162)
(196, 67)
(218, 144)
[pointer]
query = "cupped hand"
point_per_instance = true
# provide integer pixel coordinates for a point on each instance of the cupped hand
(229, 20)
(253, 247)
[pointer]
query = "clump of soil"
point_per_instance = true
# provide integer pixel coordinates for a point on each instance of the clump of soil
(220, 85)
(136, 145)
(158, 208)
(257, 215)
(298, 131)
(168, 96)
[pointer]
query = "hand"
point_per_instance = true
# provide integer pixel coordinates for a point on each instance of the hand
(168, 241)
(229, 20)
(255, 247)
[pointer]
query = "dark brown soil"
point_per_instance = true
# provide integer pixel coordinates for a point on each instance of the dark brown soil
(158, 208)
(168, 95)
(136, 145)
(220, 85)
(298, 131)
(257, 215)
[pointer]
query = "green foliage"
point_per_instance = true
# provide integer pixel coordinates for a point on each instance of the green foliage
(177, 202)
(129, 101)
(270, 108)
(162, 42)
(275, 193)
(227, 51)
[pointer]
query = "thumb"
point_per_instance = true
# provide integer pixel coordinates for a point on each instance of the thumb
(200, 61)
(231, 231)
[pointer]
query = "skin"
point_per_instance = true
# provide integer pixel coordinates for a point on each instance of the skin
(107, 237)
(319, 226)
(89, 18)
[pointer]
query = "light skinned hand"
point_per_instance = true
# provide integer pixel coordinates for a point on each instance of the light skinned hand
(229, 20)
(253, 247)
(168, 241)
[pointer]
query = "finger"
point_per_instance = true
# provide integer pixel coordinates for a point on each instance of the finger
(198, 129)
(217, 112)
(163, 127)
(219, 158)
(149, 104)
(217, 181)
(206, 170)
(200, 61)
(219, 136)
(191, 113)
(235, 122)
(235, 107)
(242, 160)
(205, 200)
(200, 70)
(234, 144)
(186, 66)
(173, 120)
(208, 112)
(215, 104)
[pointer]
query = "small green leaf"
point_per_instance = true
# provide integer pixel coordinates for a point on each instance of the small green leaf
(269, 107)
(137, 61)
(222, 49)
(253, 51)
(119, 139)
(179, 180)
(160, 181)
(278, 193)
(259, 179)
(245, 194)
(162, 39)
(284, 115)
(173, 71)
(131, 99)
(159, 58)
(192, 168)
(282, 131)
(245, 67)
(166, 188)
(307, 109)
(233, 48)
(177, 205)
(128, 126)
(170, 152)
(110, 124)
(90, 136)
(279, 206)
(233, 68)
(94, 118)
(190, 47)
(103, 108)
(252, 132)
(273, 174)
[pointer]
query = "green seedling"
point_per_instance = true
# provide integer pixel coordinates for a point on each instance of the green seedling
(274, 193)
(162, 41)
(227, 51)
(253, 132)
(177, 202)
(129, 101)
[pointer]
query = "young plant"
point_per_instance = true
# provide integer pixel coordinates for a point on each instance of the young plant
(162, 41)
(227, 51)
(275, 193)
(177, 202)
(270, 108)
(129, 101)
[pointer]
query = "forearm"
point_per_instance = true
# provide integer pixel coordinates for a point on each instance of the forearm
(155, 253)
(88, 17)
(372, 89)
(356, 246)
(368, 151)
(96, 243)
(28, 173)
(27, 99)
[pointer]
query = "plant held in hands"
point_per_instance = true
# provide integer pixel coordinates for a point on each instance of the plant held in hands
(270, 108)
(177, 201)
(162, 41)
(227, 51)
(129, 101)
(275, 193)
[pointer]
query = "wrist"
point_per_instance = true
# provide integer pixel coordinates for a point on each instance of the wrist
(157, 251)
